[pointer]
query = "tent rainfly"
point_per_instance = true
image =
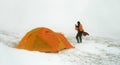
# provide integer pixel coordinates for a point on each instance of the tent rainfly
(44, 40)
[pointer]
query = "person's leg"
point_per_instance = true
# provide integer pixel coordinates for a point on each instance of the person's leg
(77, 37)
(80, 36)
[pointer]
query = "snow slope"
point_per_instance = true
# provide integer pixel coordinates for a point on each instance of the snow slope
(93, 51)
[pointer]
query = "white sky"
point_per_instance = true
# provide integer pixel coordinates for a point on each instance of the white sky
(99, 17)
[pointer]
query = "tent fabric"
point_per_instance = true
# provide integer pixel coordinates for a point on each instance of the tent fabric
(44, 40)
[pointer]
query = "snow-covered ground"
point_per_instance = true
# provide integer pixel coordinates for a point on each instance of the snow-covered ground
(93, 51)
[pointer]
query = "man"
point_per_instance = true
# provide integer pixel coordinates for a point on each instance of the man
(79, 29)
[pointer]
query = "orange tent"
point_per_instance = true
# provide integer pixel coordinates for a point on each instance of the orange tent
(44, 40)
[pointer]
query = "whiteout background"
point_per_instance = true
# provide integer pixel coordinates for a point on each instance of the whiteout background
(99, 17)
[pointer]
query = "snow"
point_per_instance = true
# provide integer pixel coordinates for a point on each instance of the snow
(93, 51)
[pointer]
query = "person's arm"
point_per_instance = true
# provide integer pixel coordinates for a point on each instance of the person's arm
(75, 25)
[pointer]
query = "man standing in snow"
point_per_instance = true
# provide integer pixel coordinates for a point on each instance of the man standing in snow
(79, 29)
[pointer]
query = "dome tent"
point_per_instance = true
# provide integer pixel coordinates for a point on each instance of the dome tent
(44, 40)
